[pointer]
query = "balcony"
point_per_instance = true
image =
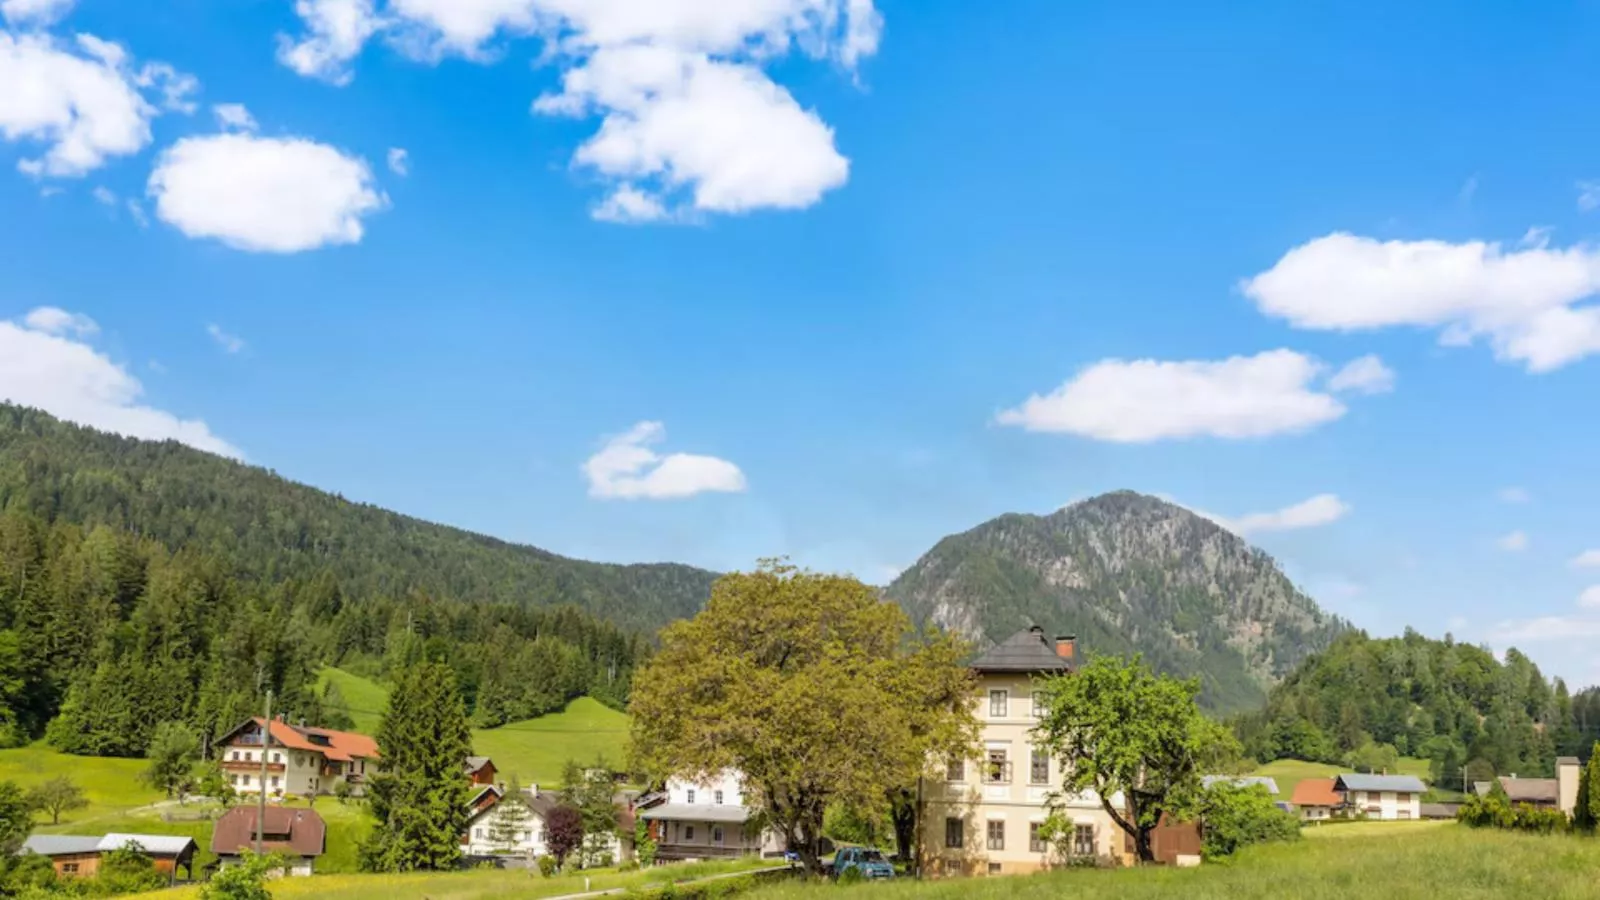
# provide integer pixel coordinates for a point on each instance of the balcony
(242, 765)
(996, 772)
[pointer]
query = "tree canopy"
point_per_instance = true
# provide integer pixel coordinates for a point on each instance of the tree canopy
(811, 687)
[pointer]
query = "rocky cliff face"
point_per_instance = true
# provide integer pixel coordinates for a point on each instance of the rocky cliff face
(1128, 574)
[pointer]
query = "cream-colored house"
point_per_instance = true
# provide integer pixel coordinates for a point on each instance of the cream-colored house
(708, 820)
(300, 761)
(1381, 796)
(984, 815)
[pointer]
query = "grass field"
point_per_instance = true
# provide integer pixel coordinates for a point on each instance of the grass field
(535, 751)
(1410, 863)
(112, 785)
(479, 885)
(1290, 772)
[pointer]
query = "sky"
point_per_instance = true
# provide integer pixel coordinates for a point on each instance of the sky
(716, 280)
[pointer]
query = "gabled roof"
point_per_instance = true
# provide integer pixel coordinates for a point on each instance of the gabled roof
(1315, 792)
(1358, 782)
(1241, 781)
(539, 803)
(475, 763)
(301, 832)
(696, 812)
(77, 844)
(61, 844)
(1026, 651)
(341, 746)
(1531, 790)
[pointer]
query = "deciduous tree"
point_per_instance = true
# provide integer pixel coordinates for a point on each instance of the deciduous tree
(563, 832)
(1124, 731)
(56, 796)
(510, 820)
(811, 687)
(174, 748)
(419, 797)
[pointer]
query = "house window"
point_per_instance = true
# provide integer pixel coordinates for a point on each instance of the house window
(955, 769)
(1083, 840)
(717, 798)
(997, 835)
(716, 835)
(235, 756)
(477, 833)
(1403, 814)
(994, 869)
(274, 781)
(277, 757)
(997, 704)
(997, 770)
(1036, 841)
(1039, 772)
(69, 868)
(953, 836)
(1036, 700)
(691, 797)
(688, 832)
(233, 780)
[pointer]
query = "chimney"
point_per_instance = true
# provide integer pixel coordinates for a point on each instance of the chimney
(1067, 646)
(1567, 784)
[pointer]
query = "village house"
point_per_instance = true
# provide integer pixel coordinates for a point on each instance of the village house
(985, 814)
(1241, 781)
(1316, 799)
(706, 820)
(480, 770)
(1381, 796)
(79, 856)
(301, 761)
(494, 827)
(1560, 792)
(298, 834)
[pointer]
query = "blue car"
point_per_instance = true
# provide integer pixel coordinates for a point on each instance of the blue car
(870, 863)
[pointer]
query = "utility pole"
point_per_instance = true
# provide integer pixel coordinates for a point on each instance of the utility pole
(261, 802)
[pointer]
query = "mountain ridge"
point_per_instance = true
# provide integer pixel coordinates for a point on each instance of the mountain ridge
(1128, 573)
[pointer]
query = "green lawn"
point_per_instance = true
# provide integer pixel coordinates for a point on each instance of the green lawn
(1289, 772)
(1445, 860)
(487, 884)
(112, 785)
(535, 750)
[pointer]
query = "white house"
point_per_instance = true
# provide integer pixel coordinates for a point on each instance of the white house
(709, 819)
(1381, 796)
(300, 761)
(495, 828)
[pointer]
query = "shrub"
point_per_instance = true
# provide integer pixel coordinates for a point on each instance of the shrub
(128, 870)
(1236, 816)
(247, 881)
(547, 866)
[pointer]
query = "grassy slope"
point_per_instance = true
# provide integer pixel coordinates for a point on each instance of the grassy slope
(479, 885)
(1444, 860)
(1289, 772)
(112, 785)
(534, 751)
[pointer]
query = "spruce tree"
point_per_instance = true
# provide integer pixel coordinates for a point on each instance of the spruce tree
(419, 797)
(1587, 814)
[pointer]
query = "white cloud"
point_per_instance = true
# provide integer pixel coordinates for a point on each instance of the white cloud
(399, 161)
(1547, 629)
(627, 469)
(85, 102)
(1588, 195)
(175, 87)
(1590, 598)
(35, 12)
(1150, 400)
(234, 116)
(1588, 559)
(270, 195)
(230, 343)
(55, 321)
(43, 367)
(136, 210)
(689, 119)
(104, 195)
(1515, 542)
(1522, 301)
(1322, 509)
(1513, 495)
(1366, 375)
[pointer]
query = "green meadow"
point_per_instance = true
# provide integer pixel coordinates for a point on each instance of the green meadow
(1290, 772)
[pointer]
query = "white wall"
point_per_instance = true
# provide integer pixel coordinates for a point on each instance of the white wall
(729, 783)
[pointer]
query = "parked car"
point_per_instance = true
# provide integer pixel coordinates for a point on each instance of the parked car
(869, 862)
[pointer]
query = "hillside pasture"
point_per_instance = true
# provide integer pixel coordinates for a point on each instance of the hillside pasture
(1290, 772)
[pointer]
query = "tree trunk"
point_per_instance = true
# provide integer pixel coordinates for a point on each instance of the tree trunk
(1142, 845)
(903, 811)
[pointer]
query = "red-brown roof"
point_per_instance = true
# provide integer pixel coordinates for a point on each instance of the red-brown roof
(1315, 792)
(298, 831)
(342, 746)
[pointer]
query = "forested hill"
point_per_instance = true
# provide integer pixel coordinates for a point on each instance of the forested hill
(1451, 703)
(1128, 574)
(274, 529)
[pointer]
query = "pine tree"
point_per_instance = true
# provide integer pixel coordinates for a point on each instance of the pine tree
(1587, 814)
(420, 797)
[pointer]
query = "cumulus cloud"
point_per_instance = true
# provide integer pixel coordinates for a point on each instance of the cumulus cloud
(627, 469)
(1322, 509)
(1524, 302)
(1547, 629)
(1367, 375)
(690, 122)
(399, 161)
(1515, 542)
(84, 101)
(1145, 400)
(269, 195)
(1588, 559)
(1513, 495)
(46, 363)
(1590, 598)
(234, 116)
(35, 12)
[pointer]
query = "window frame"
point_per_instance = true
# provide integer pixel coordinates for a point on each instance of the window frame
(994, 834)
(1038, 757)
(1036, 843)
(999, 703)
(955, 770)
(1079, 829)
(955, 833)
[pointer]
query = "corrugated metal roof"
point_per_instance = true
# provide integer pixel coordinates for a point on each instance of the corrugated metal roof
(61, 844)
(1241, 781)
(153, 844)
(697, 812)
(1026, 651)
(1358, 782)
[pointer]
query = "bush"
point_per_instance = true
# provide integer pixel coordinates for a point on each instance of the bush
(128, 870)
(1493, 811)
(247, 881)
(1237, 816)
(547, 866)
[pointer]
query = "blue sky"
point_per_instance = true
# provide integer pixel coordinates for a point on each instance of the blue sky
(707, 282)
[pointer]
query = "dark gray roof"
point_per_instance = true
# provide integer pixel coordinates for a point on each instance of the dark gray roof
(1566, 760)
(474, 763)
(1241, 781)
(1531, 790)
(1440, 810)
(1026, 651)
(696, 812)
(1356, 782)
(61, 844)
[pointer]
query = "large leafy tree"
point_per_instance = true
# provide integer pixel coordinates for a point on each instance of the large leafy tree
(173, 751)
(56, 796)
(591, 792)
(419, 797)
(811, 687)
(563, 832)
(1127, 733)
